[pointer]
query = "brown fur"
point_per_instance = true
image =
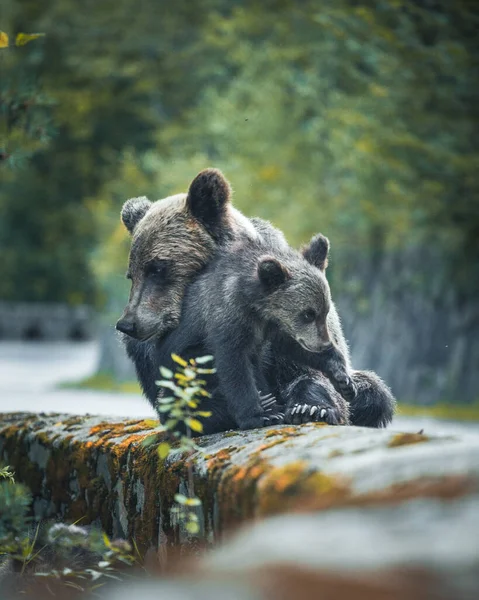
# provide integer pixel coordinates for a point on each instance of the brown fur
(181, 232)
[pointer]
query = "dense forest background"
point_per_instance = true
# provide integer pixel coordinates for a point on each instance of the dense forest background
(357, 118)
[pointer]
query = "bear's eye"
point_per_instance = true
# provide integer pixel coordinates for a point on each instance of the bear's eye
(308, 316)
(157, 269)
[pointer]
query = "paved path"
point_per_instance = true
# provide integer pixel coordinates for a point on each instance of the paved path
(30, 372)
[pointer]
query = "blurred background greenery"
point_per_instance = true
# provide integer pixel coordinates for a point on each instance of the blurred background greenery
(357, 118)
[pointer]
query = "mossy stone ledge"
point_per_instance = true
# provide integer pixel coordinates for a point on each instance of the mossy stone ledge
(96, 470)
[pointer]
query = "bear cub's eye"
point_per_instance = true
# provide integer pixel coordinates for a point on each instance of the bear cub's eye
(157, 268)
(308, 316)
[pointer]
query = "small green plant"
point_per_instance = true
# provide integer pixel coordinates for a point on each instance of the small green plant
(57, 556)
(5, 473)
(182, 409)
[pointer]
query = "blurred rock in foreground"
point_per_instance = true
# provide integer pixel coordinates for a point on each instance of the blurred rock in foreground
(384, 514)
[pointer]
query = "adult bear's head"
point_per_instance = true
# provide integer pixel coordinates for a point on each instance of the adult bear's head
(172, 240)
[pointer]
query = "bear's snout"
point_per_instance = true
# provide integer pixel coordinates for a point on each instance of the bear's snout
(127, 326)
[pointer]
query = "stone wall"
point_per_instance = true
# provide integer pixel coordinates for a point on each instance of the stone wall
(333, 512)
(99, 471)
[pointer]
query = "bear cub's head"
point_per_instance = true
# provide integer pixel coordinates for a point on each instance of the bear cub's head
(172, 240)
(296, 295)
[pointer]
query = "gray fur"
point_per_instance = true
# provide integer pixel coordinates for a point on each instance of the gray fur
(263, 292)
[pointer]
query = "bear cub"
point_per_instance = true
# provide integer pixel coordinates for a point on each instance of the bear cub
(265, 292)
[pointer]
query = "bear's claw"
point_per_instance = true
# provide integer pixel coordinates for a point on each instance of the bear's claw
(305, 413)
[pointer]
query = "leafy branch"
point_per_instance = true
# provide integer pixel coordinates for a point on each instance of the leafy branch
(21, 39)
(5, 473)
(182, 409)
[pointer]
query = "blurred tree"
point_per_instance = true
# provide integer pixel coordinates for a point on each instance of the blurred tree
(356, 118)
(353, 117)
(24, 110)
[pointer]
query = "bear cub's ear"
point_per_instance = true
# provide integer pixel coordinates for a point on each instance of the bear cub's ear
(316, 252)
(272, 273)
(208, 197)
(133, 211)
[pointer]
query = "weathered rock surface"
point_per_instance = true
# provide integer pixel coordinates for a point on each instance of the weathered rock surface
(98, 469)
(419, 549)
(383, 514)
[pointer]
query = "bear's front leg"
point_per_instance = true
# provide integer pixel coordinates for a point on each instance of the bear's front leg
(333, 365)
(235, 372)
(374, 405)
(312, 397)
(303, 393)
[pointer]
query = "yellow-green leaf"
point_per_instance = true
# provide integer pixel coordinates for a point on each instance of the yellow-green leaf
(195, 425)
(192, 527)
(204, 413)
(163, 450)
(24, 38)
(3, 39)
(204, 359)
(179, 360)
(193, 502)
(166, 373)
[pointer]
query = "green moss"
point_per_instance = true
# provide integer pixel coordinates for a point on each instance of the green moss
(456, 412)
(105, 382)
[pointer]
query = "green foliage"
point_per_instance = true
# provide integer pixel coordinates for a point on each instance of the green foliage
(61, 556)
(187, 388)
(24, 108)
(182, 411)
(15, 502)
(353, 118)
(5, 473)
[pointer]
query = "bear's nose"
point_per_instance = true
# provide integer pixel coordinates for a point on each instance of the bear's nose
(126, 326)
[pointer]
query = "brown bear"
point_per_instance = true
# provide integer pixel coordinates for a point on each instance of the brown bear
(172, 241)
(264, 293)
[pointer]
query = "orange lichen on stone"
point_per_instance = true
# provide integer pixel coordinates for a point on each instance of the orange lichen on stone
(217, 460)
(403, 439)
(286, 488)
(294, 431)
(236, 491)
(133, 432)
(272, 444)
(115, 430)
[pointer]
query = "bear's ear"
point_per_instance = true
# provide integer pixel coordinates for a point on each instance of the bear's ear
(208, 197)
(133, 211)
(272, 273)
(316, 252)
